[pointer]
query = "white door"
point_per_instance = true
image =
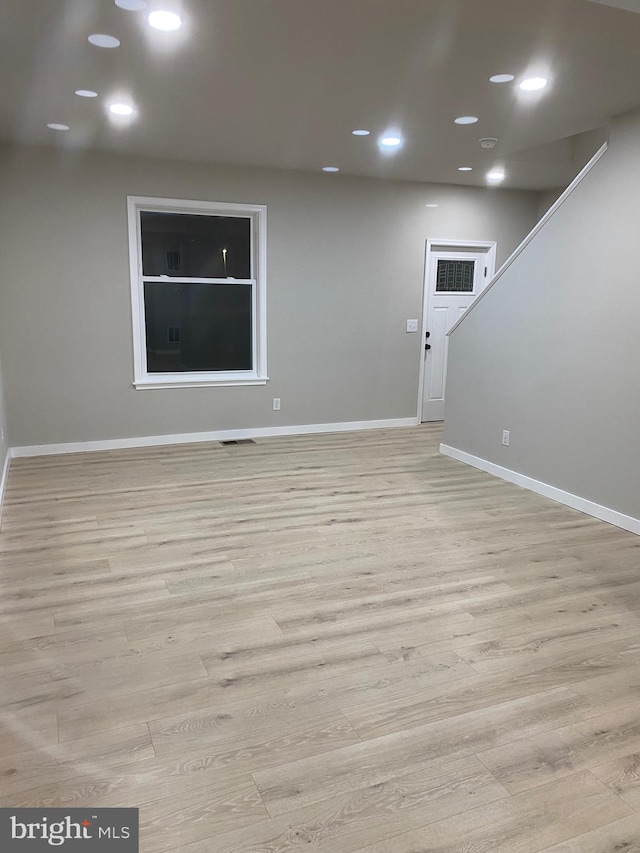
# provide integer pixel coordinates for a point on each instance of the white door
(453, 280)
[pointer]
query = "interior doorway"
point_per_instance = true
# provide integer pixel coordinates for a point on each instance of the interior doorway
(456, 272)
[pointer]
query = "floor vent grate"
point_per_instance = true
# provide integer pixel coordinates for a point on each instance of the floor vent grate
(238, 441)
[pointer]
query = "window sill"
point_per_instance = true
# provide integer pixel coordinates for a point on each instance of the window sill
(222, 382)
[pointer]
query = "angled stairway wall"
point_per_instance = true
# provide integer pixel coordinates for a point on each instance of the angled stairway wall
(552, 352)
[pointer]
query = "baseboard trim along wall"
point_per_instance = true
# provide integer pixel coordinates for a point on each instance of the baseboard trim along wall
(216, 435)
(612, 516)
(3, 481)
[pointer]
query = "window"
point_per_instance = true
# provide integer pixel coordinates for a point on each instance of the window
(455, 276)
(198, 292)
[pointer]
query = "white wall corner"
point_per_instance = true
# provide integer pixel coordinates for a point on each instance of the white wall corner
(611, 516)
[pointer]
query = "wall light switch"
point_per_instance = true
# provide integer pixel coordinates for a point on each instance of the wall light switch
(276, 404)
(412, 325)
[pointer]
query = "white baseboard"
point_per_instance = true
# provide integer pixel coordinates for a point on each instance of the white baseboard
(3, 481)
(612, 516)
(216, 435)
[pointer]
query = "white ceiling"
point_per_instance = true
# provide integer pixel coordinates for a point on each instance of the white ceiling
(283, 83)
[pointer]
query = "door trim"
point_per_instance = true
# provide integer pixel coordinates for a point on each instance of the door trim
(439, 245)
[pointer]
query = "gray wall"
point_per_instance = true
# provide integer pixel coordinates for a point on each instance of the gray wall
(345, 270)
(583, 147)
(4, 438)
(548, 198)
(553, 351)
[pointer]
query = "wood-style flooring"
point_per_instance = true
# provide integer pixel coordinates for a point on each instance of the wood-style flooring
(330, 643)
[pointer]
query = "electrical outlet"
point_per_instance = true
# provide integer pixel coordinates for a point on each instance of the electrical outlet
(412, 325)
(506, 437)
(276, 404)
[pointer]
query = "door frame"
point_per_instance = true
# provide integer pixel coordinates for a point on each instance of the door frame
(443, 245)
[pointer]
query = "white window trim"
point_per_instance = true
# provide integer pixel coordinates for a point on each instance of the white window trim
(198, 379)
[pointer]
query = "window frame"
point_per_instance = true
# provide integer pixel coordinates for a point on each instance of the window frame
(199, 379)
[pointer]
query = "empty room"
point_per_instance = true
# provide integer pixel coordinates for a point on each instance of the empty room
(319, 497)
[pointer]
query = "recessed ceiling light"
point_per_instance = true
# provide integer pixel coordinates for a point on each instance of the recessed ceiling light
(102, 40)
(432, 205)
(55, 126)
(502, 78)
(391, 141)
(86, 93)
(495, 175)
(166, 21)
(330, 169)
(132, 5)
(361, 132)
(533, 84)
(466, 120)
(465, 168)
(121, 109)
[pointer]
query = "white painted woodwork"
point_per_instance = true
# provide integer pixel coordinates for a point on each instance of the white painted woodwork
(442, 312)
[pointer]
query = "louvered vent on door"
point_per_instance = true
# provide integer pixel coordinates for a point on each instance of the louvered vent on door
(455, 277)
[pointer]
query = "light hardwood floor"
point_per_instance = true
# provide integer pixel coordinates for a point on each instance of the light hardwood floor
(323, 643)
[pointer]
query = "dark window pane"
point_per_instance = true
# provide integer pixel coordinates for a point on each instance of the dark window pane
(184, 244)
(455, 277)
(198, 327)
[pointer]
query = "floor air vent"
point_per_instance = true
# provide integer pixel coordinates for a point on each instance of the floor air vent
(238, 441)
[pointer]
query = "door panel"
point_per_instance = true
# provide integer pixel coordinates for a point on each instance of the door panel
(453, 280)
(438, 361)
